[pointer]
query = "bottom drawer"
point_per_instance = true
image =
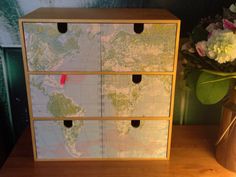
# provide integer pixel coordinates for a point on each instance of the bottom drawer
(135, 139)
(60, 140)
(81, 139)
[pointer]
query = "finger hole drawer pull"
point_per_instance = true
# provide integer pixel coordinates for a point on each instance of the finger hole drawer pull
(68, 123)
(136, 78)
(135, 123)
(62, 27)
(138, 28)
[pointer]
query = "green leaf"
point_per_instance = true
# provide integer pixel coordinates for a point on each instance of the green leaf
(211, 92)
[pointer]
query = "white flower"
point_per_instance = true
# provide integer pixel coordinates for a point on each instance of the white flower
(211, 54)
(232, 8)
(221, 46)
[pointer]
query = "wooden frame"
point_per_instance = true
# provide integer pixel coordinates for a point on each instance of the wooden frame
(27, 86)
(77, 15)
(101, 118)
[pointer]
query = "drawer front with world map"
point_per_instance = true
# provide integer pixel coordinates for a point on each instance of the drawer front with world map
(48, 49)
(115, 47)
(135, 138)
(101, 96)
(66, 95)
(136, 95)
(101, 139)
(57, 140)
(100, 82)
(138, 47)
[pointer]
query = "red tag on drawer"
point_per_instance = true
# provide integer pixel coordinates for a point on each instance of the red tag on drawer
(63, 79)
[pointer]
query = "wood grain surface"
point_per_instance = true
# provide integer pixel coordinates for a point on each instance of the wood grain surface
(98, 14)
(192, 155)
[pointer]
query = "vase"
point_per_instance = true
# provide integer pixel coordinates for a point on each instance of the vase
(226, 143)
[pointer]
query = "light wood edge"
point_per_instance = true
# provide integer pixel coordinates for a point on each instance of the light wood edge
(27, 86)
(100, 21)
(98, 73)
(101, 159)
(100, 118)
(23, 44)
(173, 88)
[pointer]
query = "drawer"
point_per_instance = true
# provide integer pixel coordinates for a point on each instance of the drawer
(135, 139)
(68, 139)
(62, 46)
(136, 95)
(56, 139)
(65, 95)
(138, 47)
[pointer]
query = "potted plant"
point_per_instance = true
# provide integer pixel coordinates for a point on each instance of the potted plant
(211, 50)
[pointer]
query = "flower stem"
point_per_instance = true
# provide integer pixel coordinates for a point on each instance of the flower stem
(217, 80)
(219, 73)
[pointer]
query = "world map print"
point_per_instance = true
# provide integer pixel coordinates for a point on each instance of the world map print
(149, 140)
(125, 50)
(55, 141)
(49, 50)
(98, 96)
(94, 47)
(124, 98)
(77, 96)
(101, 139)
(86, 47)
(65, 96)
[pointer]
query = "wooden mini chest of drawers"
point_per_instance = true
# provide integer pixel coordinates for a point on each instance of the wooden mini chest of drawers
(100, 82)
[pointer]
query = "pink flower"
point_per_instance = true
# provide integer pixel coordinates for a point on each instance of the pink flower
(229, 25)
(201, 48)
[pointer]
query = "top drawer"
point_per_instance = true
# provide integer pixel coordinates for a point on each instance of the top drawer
(138, 47)
(100, 47)
(62, 46)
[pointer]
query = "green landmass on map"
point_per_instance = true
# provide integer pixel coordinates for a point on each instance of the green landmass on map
(60, 106)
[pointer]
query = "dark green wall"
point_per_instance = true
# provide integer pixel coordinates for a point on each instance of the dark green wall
(16, 87)
(13, 101)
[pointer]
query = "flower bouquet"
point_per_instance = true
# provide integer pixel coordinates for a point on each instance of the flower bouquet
(211, 49)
